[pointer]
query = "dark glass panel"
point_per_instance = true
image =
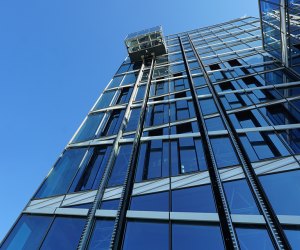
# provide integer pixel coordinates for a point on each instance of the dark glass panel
(141, 92)
(195, 236)
(239, 197)
(113, 122)
(120, 165)
(251, 238)
(101, 236)
(133, 119)
(62, 174)
(146, 236)
(283, 192)
(64, 234)
(90, 175)
(153, 160)
(124, 96)
(151, 202)
(194, 199)
(89, 128)
(28, 233)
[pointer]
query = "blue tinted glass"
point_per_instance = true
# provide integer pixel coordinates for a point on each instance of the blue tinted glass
(214, 124)
(116, 81)
(113, 123)
(239, 198)
(105, 100)
(120, 166)
(254, 238)
(194, 199)
(110, 204)
(28, 233)
(141, 92)
(208, 106)
(62, 174)
(146, 236)
(193, 236)
(224, 153)
(151, 202)
(283, 192)
(293, 236)
(133, 119)
(188, 160)
(130, 78)
(89, 128)
(101, 235)
(64, 234)
(89, 176)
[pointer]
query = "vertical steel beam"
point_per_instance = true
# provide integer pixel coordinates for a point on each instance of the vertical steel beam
(120, 222)
(278, 237)
(85, 236)
(229, 235)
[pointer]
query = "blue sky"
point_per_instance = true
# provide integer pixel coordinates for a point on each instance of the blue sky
(56, 57)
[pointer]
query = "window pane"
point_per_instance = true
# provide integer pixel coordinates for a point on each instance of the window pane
(133, 119)
(101, 235)
(239, 198)
(146, 236)
(110, 204)
(120, 166)
(89, 176)
(27, 233)
(254, 238)
(283, 192)
(62, 174)
(293, 236)
(89, 128)
(193, 236)
(224, 153)
(195, 199)
(105, 100)
(64, 234)
(151, 202)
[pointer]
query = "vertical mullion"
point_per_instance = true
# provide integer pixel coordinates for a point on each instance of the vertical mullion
(85, 236)
(275, 229)
(227, 228)
(120, 222)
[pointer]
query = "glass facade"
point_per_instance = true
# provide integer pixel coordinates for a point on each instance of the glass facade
(196, 145)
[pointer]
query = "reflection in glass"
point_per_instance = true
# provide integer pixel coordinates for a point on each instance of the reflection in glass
(28, 233)
(62, 174)
(283, 192)
(64, 234)
(194, 199)
(101, 236)
(239, 197)
(195, 236)
(146, 236)
(251, 238)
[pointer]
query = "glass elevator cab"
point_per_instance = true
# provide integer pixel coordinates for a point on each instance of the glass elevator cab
(145, 43)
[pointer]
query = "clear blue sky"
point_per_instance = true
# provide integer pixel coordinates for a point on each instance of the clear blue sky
(56, 57)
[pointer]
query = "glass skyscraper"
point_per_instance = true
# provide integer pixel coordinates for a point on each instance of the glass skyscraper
(194, 144)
